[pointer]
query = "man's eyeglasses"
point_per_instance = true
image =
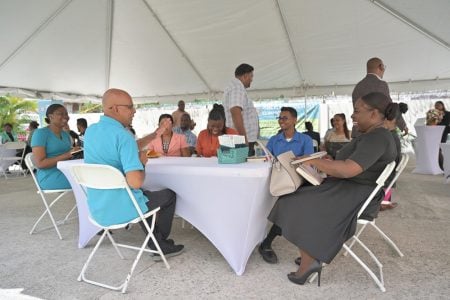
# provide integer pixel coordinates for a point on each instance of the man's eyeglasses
(129, 106)
(283, 118)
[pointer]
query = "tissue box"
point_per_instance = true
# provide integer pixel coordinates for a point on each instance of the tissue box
(232, 155)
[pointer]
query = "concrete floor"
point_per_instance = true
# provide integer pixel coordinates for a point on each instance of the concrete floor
(47, 268)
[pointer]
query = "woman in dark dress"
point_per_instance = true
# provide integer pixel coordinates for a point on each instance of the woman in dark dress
(319, 219)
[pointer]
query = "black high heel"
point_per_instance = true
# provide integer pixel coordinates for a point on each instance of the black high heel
(316, 267)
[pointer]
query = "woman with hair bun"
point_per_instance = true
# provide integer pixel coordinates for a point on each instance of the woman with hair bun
(319, 219)
(51, 144)
(208, 139)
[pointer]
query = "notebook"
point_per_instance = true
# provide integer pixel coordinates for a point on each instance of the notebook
(310, 174)
(309, 157)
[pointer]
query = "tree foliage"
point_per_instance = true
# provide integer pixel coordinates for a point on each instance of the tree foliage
(12, 110)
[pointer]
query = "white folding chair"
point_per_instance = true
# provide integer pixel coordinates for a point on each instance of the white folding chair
(363, 222)
(14, 147)
(315, 145)
(106, 177)
(380, 184)
(43, 193)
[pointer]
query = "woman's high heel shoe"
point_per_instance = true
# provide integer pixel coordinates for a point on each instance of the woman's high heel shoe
(316, 267)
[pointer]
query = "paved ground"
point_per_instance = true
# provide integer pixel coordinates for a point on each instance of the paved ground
(47, 268)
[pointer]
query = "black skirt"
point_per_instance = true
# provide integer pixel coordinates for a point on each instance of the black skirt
(319, 219)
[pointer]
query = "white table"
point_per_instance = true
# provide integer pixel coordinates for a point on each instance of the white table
(5, 164)
(87, 230)
(229, 204)
(427, 149)
(445, 147)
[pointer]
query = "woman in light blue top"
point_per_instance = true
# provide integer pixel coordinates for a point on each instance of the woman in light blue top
(50, 145)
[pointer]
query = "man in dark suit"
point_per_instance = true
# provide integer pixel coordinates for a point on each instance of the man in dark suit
(373, 82)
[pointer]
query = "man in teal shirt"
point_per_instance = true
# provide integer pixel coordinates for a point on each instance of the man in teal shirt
(108, 142)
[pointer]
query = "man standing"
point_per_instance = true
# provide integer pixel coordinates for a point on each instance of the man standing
(108, 142)
(176, 115)
(240, 112)
(373, 83)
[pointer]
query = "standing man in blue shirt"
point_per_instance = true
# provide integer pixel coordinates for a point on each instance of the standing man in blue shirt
(108, 142)
(287, 140)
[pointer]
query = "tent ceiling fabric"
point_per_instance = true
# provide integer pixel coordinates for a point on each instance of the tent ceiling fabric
(166, 49)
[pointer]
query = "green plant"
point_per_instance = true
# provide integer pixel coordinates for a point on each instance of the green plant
(12, 108)
(91, 108)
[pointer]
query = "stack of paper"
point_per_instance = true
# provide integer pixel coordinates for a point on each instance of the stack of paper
(231, 141)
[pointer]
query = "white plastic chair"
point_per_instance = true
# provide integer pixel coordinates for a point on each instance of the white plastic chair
(401, 166)
(378, 280)
(15, 146)
(315, 145)
(43, 194)
(106, 177)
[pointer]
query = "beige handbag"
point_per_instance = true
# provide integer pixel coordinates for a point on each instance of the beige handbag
(284, 179)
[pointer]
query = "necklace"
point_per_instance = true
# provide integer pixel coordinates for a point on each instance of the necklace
(166, 144)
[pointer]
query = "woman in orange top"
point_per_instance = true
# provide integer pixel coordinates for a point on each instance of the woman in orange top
(170, 143)
(208, 141)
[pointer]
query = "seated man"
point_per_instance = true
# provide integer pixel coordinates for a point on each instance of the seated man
(185, 129)
(108, 142)
(287, 140)
(312, 134)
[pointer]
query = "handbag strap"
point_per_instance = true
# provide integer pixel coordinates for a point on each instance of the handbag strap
(266, 151)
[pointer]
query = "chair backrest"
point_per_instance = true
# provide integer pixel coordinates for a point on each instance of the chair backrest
(398, 171)
(102, 177)
(380, 184)
(30, 165)
(315, 145)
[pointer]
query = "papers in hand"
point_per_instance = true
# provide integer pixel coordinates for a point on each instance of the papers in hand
(310, 174)
(309, 157)
(76, 150)
(231, 141)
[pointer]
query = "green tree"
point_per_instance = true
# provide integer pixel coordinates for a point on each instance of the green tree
(91, 108)
(11, 109)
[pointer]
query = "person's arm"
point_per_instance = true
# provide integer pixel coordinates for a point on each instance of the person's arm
(143, 142)
(135, 179)
(337, 168)
(238, 121)
(43, 162)
(185, 152)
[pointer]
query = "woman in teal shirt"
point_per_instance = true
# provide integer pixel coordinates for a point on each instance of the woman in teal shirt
(50, 145)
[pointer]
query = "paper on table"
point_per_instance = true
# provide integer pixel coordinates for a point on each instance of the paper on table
(230, 140)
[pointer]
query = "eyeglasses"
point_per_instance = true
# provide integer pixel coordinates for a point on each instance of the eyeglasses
(283, 118)
(383, 66)
(129, 106)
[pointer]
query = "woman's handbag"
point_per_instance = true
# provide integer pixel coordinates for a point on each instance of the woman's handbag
(284, 179)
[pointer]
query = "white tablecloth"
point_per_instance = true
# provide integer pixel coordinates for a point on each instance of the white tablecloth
(229, 204)
(445, 147)
(87, 230)
(427, 149)
(4, 164)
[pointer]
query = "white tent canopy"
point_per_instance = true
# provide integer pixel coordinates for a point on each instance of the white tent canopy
(167, 50)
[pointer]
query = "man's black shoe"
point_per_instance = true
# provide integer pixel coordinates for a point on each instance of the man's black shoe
(169, 249)
(268, 254)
